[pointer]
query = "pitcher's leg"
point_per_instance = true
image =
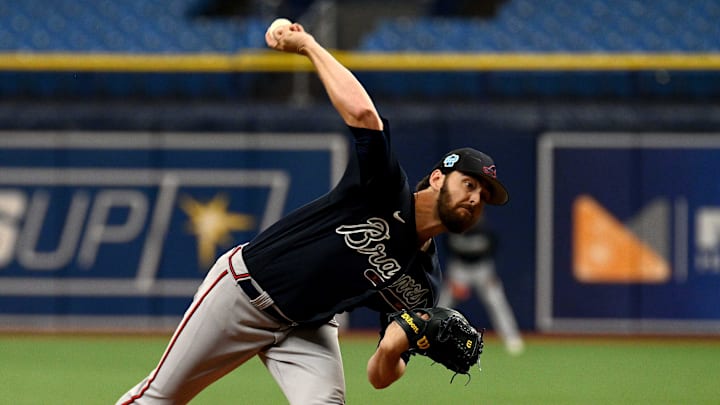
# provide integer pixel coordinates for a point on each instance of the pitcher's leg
(308, 367)
(211, 340)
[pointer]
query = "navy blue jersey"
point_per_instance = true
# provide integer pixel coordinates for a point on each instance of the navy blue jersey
(417, 288)
(343, 249)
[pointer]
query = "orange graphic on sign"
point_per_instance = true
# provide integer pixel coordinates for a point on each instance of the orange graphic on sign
(605, 251)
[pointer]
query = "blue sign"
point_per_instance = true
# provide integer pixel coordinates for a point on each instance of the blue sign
(629, 233)
(97, 224)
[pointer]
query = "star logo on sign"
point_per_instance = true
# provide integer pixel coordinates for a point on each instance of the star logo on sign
(212, 225)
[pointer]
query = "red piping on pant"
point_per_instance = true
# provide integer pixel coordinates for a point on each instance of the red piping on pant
(174, 339)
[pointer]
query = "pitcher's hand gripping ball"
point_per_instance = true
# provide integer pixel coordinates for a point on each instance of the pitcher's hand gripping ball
(277, 23)
(446, 337)
(285, 36)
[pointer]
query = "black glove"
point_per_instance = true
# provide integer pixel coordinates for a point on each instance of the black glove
(446, 337)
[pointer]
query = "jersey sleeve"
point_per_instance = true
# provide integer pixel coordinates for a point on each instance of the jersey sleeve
(378, 167)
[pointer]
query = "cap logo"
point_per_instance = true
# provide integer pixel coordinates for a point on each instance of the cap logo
(450, 160)
(490, 170)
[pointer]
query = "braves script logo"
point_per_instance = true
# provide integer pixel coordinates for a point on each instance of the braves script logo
(366, 239)
(408, 291)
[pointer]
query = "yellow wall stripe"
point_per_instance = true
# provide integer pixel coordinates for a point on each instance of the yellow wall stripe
(270, 61)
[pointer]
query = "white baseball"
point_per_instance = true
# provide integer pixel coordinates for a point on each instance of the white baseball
(279, 22)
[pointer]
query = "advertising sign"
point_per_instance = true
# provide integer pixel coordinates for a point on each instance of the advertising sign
(96, 227)
(628, 233)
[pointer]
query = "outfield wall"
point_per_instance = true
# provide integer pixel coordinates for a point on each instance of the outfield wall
(97, 202)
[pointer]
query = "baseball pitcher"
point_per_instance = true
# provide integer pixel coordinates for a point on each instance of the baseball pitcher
(368, 242)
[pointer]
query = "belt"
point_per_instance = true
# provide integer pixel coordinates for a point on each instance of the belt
(259, 298)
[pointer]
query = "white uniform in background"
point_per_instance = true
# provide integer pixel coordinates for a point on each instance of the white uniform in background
(471, 265)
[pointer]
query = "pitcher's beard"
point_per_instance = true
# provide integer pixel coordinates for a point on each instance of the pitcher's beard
(450, 218)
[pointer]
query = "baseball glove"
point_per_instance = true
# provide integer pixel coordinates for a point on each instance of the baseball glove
(446, 337)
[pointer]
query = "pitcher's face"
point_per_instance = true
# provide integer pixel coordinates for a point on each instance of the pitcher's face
(461, 201)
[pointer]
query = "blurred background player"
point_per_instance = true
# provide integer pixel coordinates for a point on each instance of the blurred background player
(471, 266)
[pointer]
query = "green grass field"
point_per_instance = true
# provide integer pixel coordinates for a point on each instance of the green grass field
(79, 370)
